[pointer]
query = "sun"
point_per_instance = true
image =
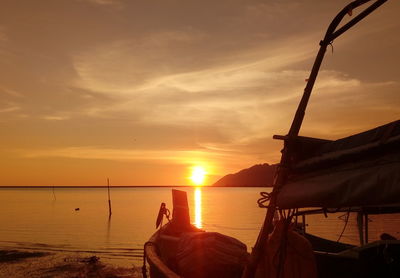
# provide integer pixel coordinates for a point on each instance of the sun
(198, 175)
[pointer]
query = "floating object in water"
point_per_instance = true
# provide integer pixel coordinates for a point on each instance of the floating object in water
(76, 209)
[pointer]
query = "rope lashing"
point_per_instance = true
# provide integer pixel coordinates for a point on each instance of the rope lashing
(167, 213)
(331, 45)
(161, 213)
(345, 224)
(265, 197)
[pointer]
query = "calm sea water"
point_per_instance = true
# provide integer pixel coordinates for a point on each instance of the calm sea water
(39, 219)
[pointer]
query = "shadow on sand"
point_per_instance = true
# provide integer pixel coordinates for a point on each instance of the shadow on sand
(9, 256)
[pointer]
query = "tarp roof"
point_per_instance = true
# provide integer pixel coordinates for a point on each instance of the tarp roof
(359, 170)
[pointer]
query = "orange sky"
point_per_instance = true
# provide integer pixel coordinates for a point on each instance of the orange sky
(141, 91)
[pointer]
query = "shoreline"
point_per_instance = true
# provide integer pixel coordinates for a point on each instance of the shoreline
(91, 186)
(20, 263)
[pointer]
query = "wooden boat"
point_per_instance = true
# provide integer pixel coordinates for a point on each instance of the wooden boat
(179, 247)
(357, 174)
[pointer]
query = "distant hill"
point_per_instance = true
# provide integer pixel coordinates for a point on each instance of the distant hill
(257, 175)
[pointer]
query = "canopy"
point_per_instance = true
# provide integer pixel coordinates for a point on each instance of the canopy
(359, 170)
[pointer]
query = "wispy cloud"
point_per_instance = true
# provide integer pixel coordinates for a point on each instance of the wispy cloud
(190, 80)
(55, 118)
(10, 92)
(3, 35)
(10, 108)
(120, 67)
(103, 2)
(166, 59)
(244, 97)
(178, 156)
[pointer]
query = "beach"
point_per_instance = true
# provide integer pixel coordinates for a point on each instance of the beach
(24, 263)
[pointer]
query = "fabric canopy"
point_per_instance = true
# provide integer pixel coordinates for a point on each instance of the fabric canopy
(359, 170)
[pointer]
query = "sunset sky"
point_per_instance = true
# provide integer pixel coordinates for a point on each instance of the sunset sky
(144, 91)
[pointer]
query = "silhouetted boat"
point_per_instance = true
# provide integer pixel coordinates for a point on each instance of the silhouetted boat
(359, 174)
(177, 245)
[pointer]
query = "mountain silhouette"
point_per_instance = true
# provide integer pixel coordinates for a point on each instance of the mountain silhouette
(256, 176)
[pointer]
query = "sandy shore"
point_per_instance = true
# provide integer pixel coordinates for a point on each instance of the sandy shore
(21, 263)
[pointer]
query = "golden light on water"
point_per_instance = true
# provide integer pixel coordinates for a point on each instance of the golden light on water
(198, 175)
(198, 222)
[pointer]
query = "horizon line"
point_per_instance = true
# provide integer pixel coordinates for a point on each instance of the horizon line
(93, 186)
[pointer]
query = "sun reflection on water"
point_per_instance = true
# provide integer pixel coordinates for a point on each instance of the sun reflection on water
(197, 208)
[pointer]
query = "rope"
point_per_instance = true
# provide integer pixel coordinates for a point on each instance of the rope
(331, 45)
(345, 225)
(167, 213)
(265, 197)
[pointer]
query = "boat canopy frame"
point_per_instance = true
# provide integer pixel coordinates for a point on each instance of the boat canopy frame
(282, 171)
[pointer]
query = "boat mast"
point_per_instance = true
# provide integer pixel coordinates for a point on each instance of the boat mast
(289, 140)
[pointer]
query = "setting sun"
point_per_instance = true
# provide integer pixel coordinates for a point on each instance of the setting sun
(198, 175)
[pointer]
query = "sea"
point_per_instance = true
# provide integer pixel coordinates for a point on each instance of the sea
(76, 220)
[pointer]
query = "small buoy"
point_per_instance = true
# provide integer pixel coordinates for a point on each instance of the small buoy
(76, 209)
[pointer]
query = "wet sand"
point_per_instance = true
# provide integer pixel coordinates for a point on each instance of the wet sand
(21, 263)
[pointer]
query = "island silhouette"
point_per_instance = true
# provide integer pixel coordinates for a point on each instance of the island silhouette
(259, 175)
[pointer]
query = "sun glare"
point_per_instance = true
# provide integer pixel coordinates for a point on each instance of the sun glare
(197, 208)
(198, 175)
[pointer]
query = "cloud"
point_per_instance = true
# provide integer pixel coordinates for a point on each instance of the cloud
(209, 158)
(3, 39)
(121, 67)
(150, 84)
(3, 35)
(10, 92)
(103, 2)
(55, 118)
(10, 108)
(177, 155)
(350, 107)
(231, 77)
(243, 96)
(149, 78)
(238, 94)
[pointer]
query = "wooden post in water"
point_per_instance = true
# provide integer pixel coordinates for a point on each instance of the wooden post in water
(109, 199)
(54, 194)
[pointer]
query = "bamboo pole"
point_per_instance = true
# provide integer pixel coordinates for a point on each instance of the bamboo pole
(287, 152)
